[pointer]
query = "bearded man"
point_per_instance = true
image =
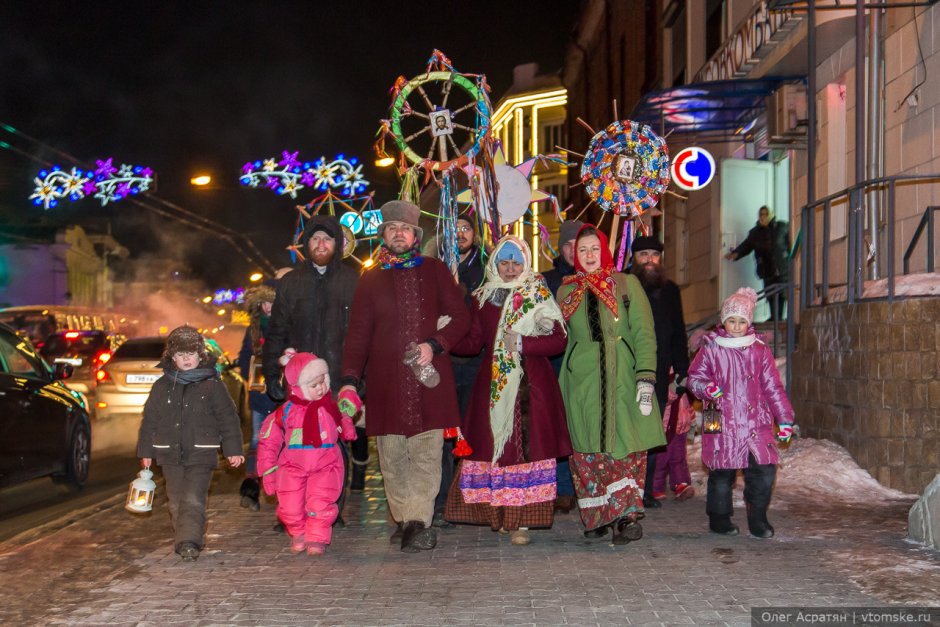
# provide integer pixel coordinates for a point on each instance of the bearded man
(672, 344)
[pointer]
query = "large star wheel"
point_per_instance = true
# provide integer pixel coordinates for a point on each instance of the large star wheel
(440, 119)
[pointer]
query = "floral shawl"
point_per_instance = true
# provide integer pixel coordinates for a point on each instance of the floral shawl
(529, 302)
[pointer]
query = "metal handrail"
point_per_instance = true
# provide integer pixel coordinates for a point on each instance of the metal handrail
(855, 254)
(925, 221)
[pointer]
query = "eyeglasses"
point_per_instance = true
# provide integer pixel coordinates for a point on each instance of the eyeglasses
(464, 229)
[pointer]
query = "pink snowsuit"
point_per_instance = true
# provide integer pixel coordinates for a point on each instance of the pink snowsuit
(308, 480)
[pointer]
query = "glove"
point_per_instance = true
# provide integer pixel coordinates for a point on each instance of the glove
(349, 403)
(274, 390)
(784, 433)
(713, 391)
(545, 324)
(347, 429)
(513, 341)
(644, 396)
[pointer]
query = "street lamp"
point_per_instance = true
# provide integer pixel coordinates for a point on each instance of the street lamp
(384, 162)
(201, 180)
(257, 276)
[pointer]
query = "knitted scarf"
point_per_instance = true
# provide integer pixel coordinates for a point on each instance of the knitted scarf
(409, 259)
(529, 301)
(600, 281)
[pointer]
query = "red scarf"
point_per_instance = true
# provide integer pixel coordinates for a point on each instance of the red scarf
(601, 281)
(311, 432)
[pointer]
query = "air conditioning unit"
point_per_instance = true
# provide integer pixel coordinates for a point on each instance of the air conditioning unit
(786, 112)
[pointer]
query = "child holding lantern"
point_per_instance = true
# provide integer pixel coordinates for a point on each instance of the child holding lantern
(188, 416)
(736, 372)
(299, 456)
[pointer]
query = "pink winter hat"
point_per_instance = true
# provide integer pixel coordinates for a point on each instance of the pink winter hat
(299, 365)
(741, 304)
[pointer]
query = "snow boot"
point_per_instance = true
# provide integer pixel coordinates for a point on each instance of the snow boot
(250, 492)
(358, 483)
(721, 524)
(757, 522)
(626, 530)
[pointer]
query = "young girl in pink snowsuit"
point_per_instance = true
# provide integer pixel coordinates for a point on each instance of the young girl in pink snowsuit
(299, 456)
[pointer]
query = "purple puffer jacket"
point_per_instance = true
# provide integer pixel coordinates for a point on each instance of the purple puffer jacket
(745, 370)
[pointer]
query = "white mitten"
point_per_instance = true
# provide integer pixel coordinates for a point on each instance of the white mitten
(545, 324)
(644, 396)
(442, 322)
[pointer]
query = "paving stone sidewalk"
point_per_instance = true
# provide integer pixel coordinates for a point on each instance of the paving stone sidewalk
(109, 567)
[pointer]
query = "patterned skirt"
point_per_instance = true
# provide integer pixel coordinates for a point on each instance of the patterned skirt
(507, 497)
(608, 488)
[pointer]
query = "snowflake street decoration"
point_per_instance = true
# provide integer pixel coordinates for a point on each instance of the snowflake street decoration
(288, 175)
(106, 182)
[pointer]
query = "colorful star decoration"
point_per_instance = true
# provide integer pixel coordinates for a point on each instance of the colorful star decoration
(106, 183)
(289, 175)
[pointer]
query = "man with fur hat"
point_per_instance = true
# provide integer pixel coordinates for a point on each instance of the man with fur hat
(406, 299)
(672, 344)
(188, 417)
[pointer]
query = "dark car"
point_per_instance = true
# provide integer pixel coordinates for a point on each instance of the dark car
(44, 426)
(85, 351)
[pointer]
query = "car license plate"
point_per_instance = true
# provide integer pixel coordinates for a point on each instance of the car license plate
(142, 378)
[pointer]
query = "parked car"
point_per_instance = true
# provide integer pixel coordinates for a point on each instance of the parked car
(44, 426)
(85, 351)
(124, 382)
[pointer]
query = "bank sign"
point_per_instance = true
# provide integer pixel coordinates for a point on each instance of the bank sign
(739, 52)
(692, 168)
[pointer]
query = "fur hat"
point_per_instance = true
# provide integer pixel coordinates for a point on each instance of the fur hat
(740, 304)
(645, 242)
(569, 230)
(401, 211)
(185, 339)
(254, 296)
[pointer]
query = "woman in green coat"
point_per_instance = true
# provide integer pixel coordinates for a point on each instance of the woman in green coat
(607, 382)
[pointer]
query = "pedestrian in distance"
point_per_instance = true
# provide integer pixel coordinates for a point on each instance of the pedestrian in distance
(607, 380)
(259, 302)
(769, 240)
(188, 417)
(515, 423)
(407, 313)
(736, 372)
(672, 344)
(299, 457)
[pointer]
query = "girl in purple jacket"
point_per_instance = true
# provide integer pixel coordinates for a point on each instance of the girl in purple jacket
(736, 372)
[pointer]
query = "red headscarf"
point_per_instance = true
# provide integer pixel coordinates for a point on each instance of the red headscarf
(601, 281)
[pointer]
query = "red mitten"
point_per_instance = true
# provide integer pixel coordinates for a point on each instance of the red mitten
(347, 429)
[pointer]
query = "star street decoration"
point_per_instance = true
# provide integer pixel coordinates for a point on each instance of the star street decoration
(288, 175)
(106, 182)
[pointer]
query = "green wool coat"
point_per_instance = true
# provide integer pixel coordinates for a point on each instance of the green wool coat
(629, 354)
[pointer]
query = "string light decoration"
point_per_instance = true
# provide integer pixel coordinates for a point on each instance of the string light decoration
(289, 175)
(626, 168)
(106, 182)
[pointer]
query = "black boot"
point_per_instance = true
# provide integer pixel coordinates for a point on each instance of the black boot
(358, 483)
(250, 491)
(396, 535)
(626, 530)
(594, 534)
(649, 502)
(721, 523)
(757, 522)
(188, 551)
(409, 532)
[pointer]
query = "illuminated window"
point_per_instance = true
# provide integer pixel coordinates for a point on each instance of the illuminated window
(552, 135)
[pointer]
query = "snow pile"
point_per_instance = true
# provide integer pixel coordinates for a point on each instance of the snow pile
(825, 469)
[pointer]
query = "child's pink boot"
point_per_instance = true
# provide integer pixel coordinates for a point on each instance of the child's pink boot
(298, 544)
(316, 548)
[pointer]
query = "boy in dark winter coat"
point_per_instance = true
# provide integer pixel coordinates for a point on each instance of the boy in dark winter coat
(188, 416)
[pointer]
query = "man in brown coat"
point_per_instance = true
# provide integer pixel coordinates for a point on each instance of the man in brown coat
(406, 298)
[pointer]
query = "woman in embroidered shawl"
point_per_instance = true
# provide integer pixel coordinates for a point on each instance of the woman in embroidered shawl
(607, 379)
(515, 421)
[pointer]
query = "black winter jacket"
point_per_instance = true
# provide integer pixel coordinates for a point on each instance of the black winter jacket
(771, 246)
(184, 424)
(672, 343)
(311, 310)
(555, 276)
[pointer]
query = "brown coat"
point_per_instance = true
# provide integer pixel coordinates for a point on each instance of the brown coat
(390, 309)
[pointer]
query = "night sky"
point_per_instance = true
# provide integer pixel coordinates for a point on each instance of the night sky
(187, 87)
